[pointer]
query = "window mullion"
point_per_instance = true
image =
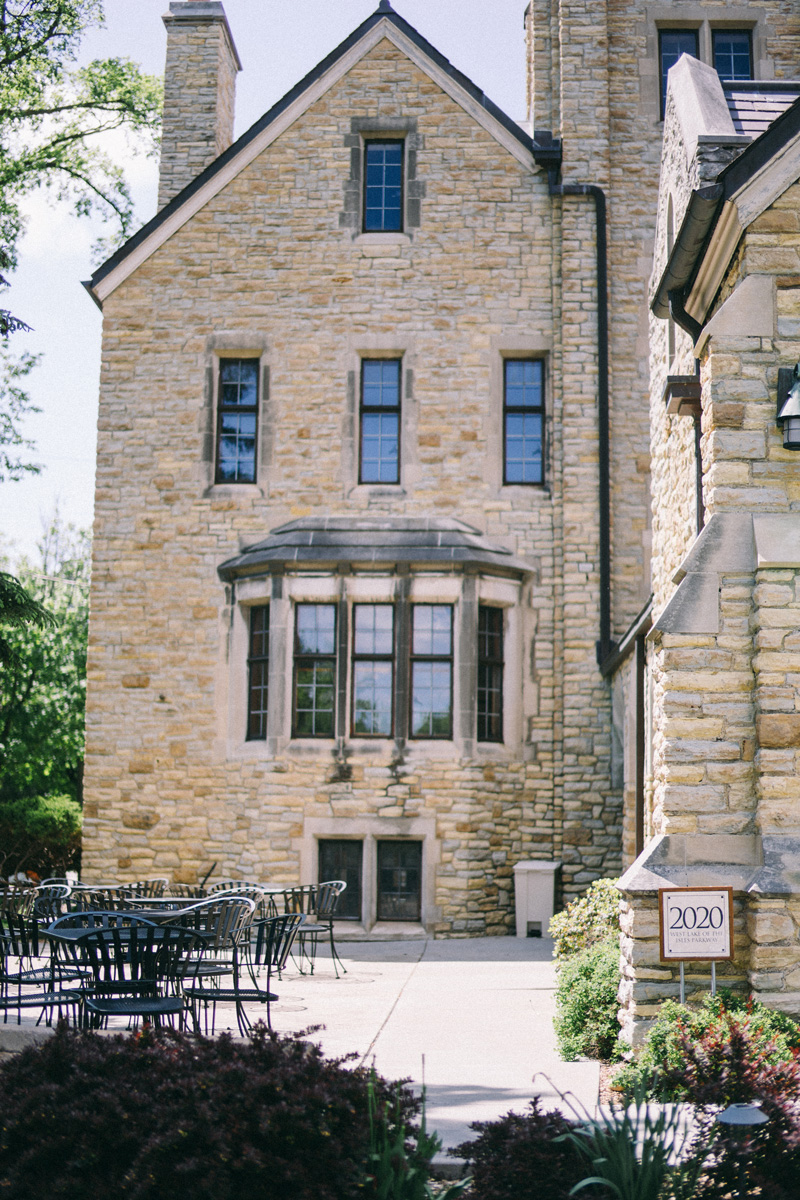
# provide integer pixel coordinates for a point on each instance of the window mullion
(341, 671)
(402, 670)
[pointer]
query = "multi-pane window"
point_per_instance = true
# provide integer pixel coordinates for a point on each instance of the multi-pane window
(314, 670)
(523, 418)
(490, 674)
(373, 670)
(380, 420)
(258, 673)
(383, 186)
(237, 422)
(733, 53)
(432, 671)
(672, 43)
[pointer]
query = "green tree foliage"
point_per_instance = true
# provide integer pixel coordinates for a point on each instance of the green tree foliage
(55, 119)
(53, 115)
(42, 700)
(15, 404)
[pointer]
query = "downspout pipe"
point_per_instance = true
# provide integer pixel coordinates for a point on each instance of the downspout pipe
(547, 153)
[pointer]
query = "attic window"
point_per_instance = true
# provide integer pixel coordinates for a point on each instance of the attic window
(383, 186)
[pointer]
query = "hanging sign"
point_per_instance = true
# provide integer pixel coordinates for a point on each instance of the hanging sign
(696, 923)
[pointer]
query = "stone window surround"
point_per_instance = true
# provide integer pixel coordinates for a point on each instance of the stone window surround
(704, 20)
(370, 830)
(465, 591)
(235, 344)
(362, 130)
(534, 346)
(380, 346)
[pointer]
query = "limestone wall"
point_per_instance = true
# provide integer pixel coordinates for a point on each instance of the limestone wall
(270, 268)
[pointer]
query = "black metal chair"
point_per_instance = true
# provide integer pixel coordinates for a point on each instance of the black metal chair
(139, 970)
(50, 901)
(27, 981)
(269, 948)
(318, 902)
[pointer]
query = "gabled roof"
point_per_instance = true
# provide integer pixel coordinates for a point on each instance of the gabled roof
(374, 542)
(384, 23)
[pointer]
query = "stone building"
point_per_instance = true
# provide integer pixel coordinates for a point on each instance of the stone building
(372, 572)
(724, 651)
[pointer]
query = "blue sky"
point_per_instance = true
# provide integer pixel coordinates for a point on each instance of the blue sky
(278, 42)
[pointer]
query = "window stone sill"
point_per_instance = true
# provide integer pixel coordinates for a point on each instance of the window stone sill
(244, 491)
(390, 238)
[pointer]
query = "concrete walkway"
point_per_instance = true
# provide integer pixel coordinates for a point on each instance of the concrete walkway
(479, 1011)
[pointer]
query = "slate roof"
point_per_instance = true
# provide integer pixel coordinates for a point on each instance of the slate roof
(375, 541)
(755, 104)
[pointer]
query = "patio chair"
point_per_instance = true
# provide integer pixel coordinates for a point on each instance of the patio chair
(50, 901)
(224, 922)
(318, 902)
(138, 971)
(26, 980)
(17, 899)
(269, 948)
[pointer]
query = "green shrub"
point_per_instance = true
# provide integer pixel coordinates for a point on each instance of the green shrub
(586, 1002)
(41, 833)
(586, 921)
(663, 1052)
(518, 1156)
(87, 1117)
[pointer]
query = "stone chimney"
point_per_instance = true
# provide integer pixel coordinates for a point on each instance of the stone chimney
(199, 92)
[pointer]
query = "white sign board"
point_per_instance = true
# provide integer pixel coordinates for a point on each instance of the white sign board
(696, 923)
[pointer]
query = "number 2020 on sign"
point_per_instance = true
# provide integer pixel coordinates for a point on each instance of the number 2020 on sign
(696, 923)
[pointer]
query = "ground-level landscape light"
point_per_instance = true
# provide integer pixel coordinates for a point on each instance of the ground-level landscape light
(742, 1117)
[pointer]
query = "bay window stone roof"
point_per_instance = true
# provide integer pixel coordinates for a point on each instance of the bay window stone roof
(375, 542)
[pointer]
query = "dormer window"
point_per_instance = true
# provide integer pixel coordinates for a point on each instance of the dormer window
(383, 186)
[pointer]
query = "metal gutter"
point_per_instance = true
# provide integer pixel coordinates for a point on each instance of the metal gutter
(700, 214)
(547, 153)
(641, 625)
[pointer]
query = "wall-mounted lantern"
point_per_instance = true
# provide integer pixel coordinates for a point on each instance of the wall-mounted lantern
(789, 406)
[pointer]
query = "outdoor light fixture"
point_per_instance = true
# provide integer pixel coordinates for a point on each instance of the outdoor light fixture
(789, 407)
(741, 1118)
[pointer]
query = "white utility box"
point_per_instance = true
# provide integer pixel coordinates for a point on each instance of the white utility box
(534, 894)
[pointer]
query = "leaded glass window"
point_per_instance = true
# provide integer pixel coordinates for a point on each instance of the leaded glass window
(373, 670)
(237, 423)
(383, 186)
(432, 671)
(672, 43)
(380, 420)
(258, 673)
(315, 670)
(490, 674)
(523, 417)
(733, 53)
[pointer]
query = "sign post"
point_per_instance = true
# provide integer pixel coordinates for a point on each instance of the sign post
(696, 924)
